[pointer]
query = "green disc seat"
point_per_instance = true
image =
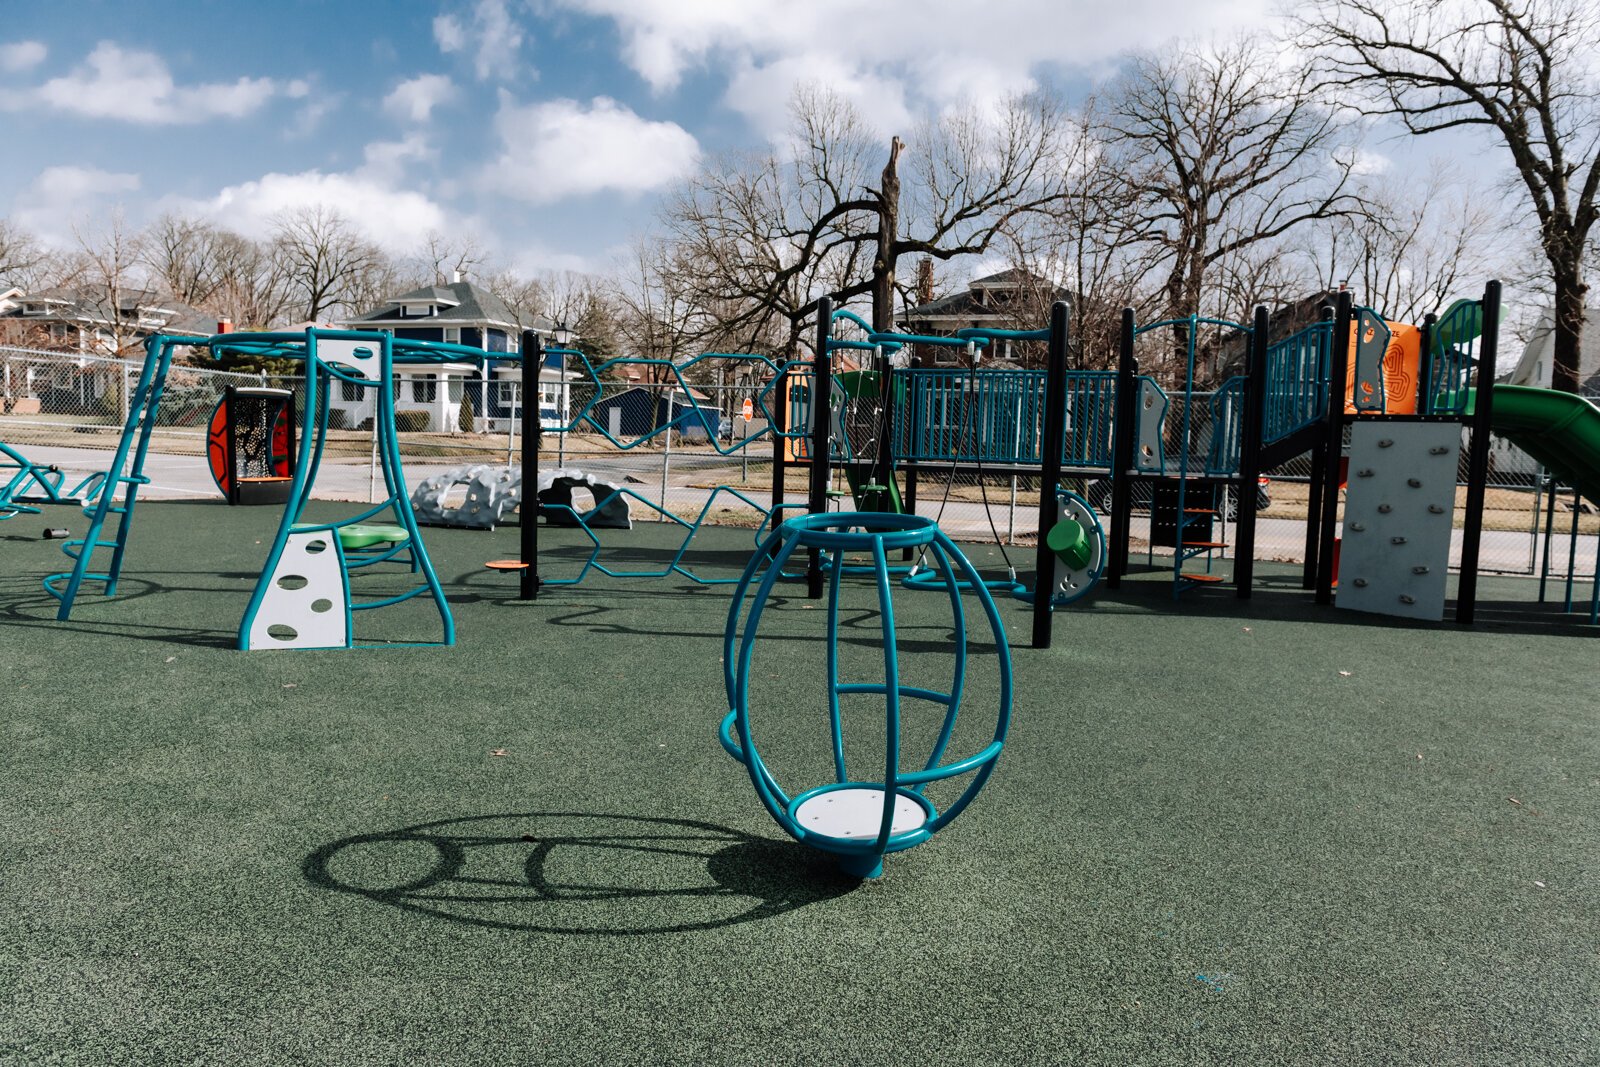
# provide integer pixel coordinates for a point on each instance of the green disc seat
(357, 535)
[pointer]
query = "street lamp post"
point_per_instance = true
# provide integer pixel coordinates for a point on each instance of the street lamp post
(561, 335)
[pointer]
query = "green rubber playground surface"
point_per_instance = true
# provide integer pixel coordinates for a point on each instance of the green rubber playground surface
(1259, 833)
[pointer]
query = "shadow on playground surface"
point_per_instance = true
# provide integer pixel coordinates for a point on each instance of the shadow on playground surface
(576, 873)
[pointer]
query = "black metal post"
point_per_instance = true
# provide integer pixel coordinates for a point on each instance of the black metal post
(1549, 530)
(1426, 386)
(1050, 446)
(821, 425)
(1338, 373)
(1123, 435)
(913, 422)
(1319, 481)
(532, 434)
(1478, 455)
(1255, 410)
(883, 461)
(779, 415)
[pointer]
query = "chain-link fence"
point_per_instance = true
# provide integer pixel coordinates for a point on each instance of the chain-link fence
(673, 444)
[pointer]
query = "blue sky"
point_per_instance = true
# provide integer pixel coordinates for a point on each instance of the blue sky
(549, 128)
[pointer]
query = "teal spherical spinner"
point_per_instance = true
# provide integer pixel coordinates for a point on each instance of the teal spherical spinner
(876, 798)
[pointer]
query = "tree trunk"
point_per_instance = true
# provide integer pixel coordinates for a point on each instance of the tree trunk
(1568, 336)
(888, 233)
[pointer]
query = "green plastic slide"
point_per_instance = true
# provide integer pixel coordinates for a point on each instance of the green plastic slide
(1560, 430)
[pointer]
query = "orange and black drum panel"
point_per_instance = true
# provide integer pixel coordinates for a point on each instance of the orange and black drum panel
(217, 445)
(282, 461)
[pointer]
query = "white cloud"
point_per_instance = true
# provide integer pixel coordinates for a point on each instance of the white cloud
(64, 196)
(395, 218)
(763, 93)
(22, 55)
(1366, 162)
(113, 83)
(921, 53)
(493, 38)
(386, 160)
(448, 32)
(561, 148)
(415, 99)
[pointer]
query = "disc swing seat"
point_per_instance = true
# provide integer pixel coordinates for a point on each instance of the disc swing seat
(857, 818)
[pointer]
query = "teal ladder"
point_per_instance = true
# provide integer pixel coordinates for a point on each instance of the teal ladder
(127, 469)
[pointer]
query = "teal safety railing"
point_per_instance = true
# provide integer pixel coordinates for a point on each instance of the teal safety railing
(955, 415)
(1297, 382)
(1227, 427)
(1447, 365)
(1091, 409)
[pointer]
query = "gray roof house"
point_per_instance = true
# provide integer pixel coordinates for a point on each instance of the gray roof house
(83, 319)
(1011, 299)
(462, 313)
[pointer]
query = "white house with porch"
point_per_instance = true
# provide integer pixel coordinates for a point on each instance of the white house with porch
(458, 313)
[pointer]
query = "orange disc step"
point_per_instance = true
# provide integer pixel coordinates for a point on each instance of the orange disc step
(1205, 544)
(506, 565)
(1201, 577)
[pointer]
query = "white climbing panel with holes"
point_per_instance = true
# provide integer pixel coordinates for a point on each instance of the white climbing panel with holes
(358, 356)
(1398, 512)
(305, 604)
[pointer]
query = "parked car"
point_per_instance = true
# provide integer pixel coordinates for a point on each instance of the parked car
(1098, 493)
(725, 429)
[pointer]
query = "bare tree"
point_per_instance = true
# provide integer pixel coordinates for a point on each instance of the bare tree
(1416, 246)
(216, 270)
(765, 237)
(109, 259)
(1226, 151)
(181, 255)
(326, 265)
(253, 290)
(1088, 243)
(21, 256)
(657, 316)
(449, 257)
(524, 297)
(1525, 69)
(567, 296)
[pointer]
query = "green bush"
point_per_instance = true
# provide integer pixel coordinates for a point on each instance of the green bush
(466, 421)
(411, 421)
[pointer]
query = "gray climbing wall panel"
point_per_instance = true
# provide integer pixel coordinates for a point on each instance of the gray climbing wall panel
(1399, 504)
(1148, 452)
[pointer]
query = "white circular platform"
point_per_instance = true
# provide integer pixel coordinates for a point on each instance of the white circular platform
(856, 812)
